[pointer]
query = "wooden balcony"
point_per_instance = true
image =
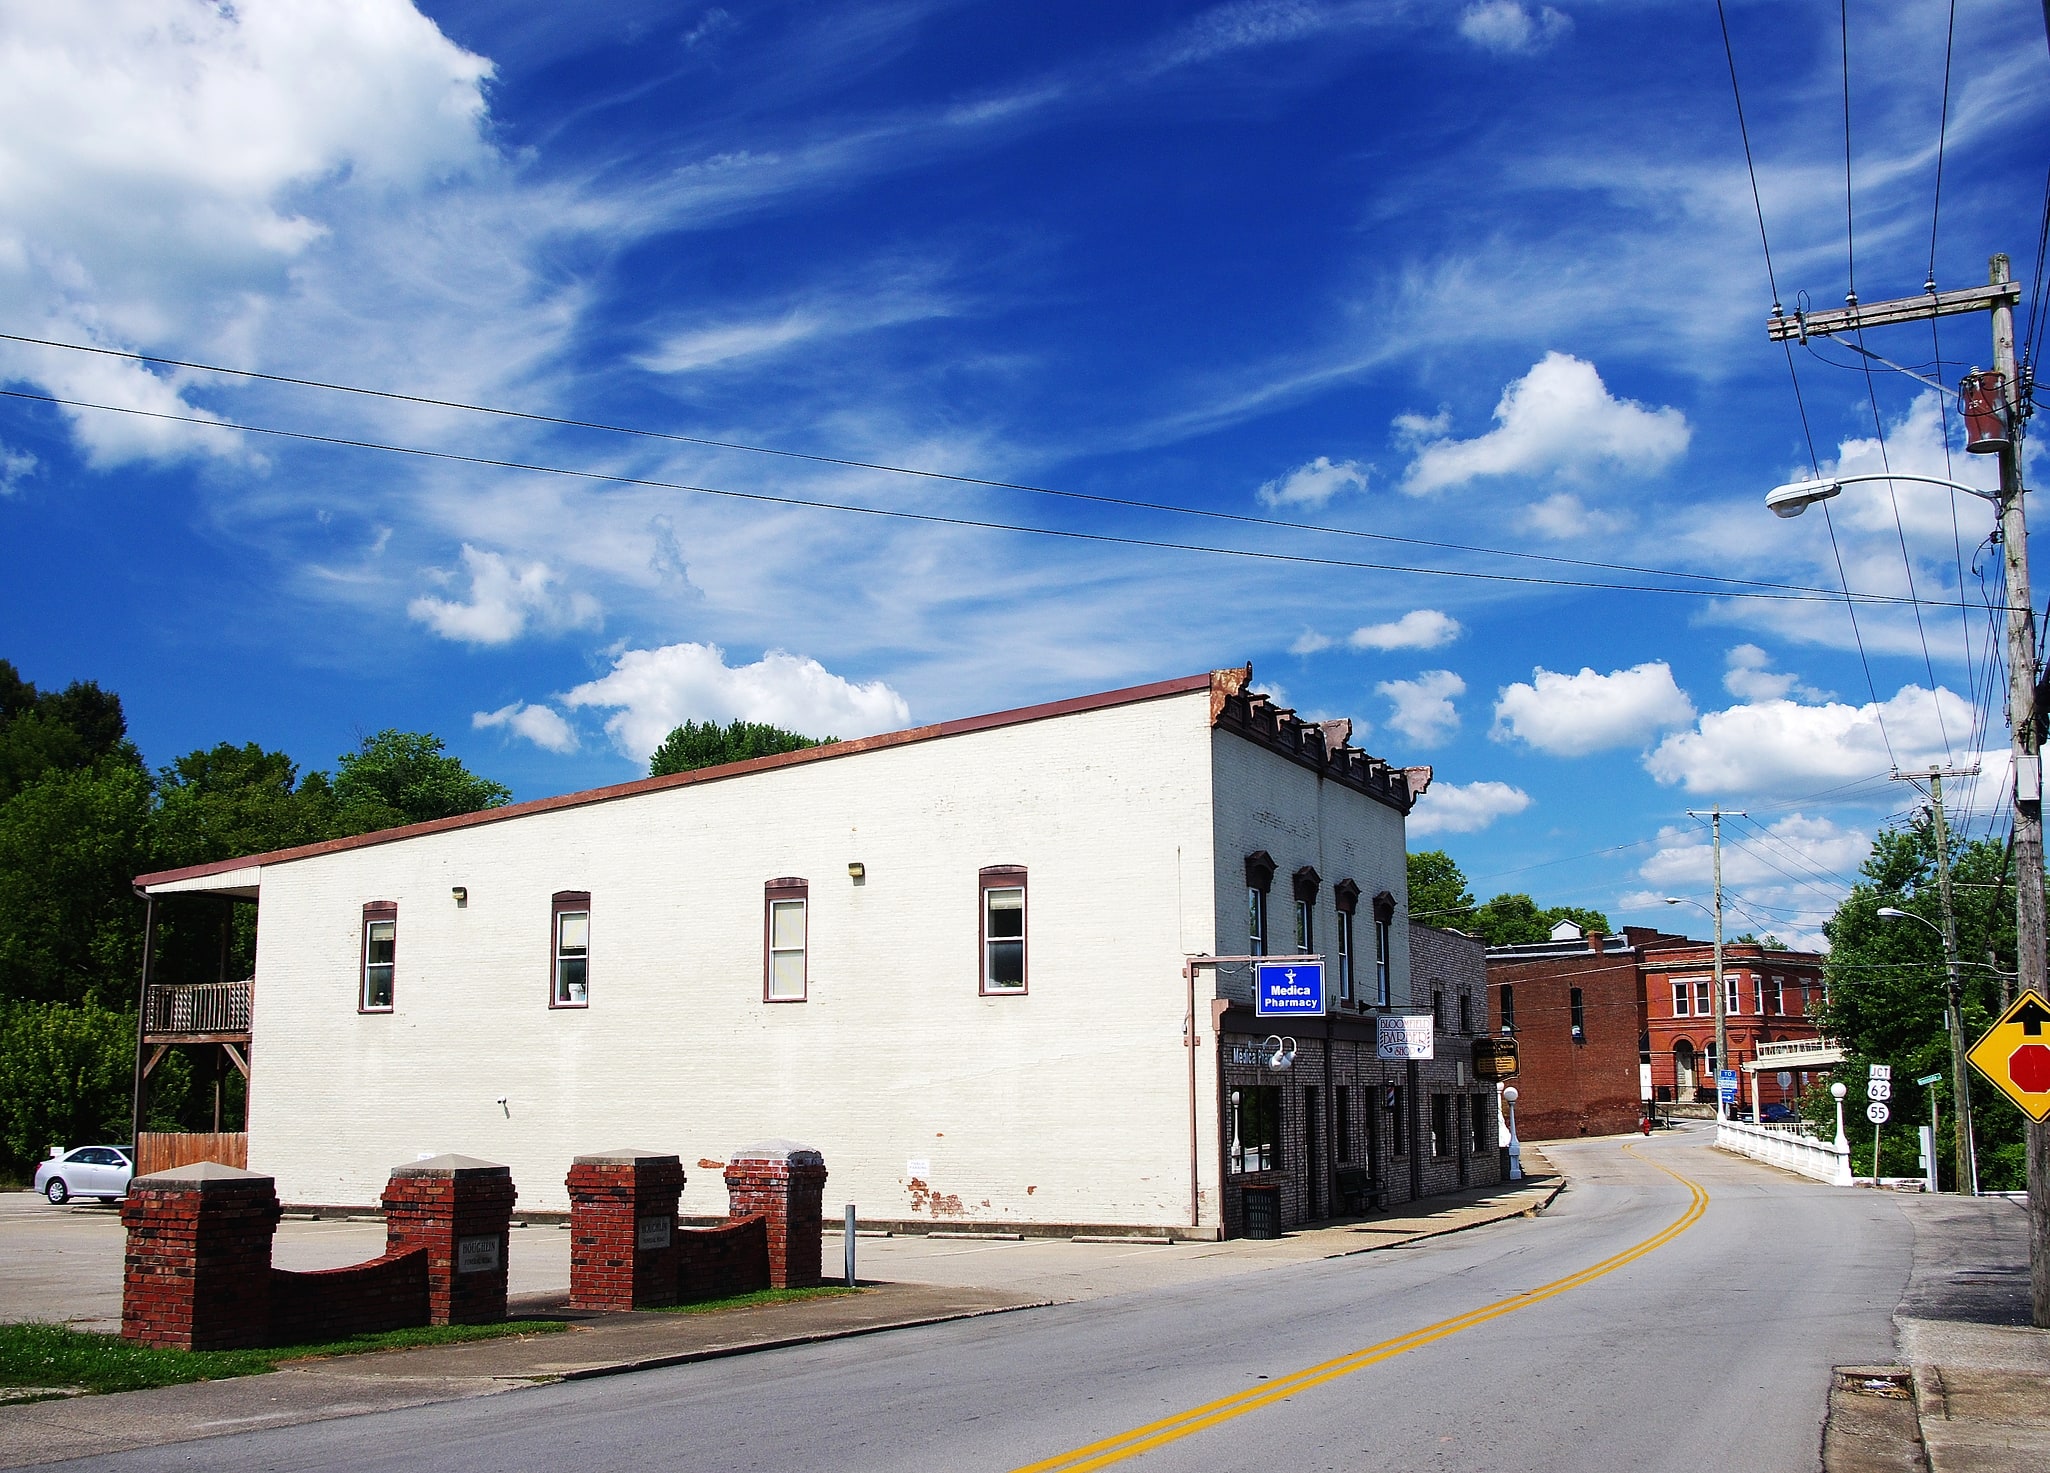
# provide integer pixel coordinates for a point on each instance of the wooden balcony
(210, 1012)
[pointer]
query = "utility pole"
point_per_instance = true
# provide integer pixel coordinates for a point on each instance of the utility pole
(1997, 297)
(1722, 1019)
(1965, 1150)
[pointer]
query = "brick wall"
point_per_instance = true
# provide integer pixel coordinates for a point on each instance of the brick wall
(460, 1211)
(715, 1263)
(785, 1184)
(197, 1272)
(1567, 1087)
(622, 1221)
(387, 1293)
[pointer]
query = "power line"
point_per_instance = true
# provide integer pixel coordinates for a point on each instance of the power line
(848, 463)
(1777, 593)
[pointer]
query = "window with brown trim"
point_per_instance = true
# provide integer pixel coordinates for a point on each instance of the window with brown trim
(569, 949)
(786, 940)
(1346, 896)
(380, 956)
(1001, 897)
(1384, 946)
(1259, 880)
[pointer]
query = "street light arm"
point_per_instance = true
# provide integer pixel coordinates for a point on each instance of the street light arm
(1895, 913)
(1796, 497)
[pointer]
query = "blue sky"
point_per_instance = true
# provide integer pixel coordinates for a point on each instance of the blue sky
(1482, 274)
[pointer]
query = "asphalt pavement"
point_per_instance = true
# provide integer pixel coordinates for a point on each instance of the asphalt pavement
(1629, 1325)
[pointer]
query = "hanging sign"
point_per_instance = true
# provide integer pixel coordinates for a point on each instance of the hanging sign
(1290, 990)
(1404, 1036)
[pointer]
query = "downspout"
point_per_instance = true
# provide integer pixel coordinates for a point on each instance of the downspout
(149, 941)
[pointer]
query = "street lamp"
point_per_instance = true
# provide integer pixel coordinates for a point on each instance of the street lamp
(1966, 1154)
(1515, 1146)
(1722, 1022)
(1797, 496)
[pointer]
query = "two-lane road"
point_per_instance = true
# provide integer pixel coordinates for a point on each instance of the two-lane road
(1675, 1309)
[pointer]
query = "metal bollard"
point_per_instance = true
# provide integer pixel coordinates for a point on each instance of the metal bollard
(848, 1239)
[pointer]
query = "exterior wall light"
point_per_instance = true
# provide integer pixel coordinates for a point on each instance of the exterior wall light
(461, 894)
(857, 871)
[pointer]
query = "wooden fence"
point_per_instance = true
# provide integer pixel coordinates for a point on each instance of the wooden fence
(162, 1150)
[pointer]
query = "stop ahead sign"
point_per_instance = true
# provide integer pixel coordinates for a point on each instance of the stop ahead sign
(2015, 1054)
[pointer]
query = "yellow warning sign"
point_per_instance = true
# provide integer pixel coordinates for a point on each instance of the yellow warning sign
(2015, 1054)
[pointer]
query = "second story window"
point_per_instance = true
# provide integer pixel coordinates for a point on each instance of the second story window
(1508, 1008)
(1003, 929)
(1259, 880)
(1465, 1011)
(1384, 947)
(1437, 1010)
(1346, 896)
(1306, 886)
(572, 949)
(1579, 1011)
(785, 922)
(380, 956)
(1680, 1008)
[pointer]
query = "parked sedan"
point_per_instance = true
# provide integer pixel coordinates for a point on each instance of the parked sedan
(86, 1171)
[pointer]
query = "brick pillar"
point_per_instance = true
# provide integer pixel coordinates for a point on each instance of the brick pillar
(198, 1269)
(460, 1210)
(785, 1183)
(622, 1230)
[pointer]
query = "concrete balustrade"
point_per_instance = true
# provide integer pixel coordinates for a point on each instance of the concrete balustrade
(1789, 1147)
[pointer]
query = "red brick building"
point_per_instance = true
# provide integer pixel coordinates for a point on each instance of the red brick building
(1768, 995)
(1575, 1006)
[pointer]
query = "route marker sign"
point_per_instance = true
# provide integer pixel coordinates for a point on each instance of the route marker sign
(2015, 1054)
(1877, 1113)
(1879, 1071)
(1290, 990)
(1878, 1089)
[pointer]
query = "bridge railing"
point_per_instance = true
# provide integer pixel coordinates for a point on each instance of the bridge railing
(1789, 1147)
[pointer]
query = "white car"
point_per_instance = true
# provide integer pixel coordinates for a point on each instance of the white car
(86, 1171)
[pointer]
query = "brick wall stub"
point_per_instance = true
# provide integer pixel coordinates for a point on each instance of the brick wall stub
(784, 1183)
(196, 1274)
(460, 1210)
(624, 1247)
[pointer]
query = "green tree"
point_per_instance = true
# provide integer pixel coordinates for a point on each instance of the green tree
(45, 732)
(71, 845)
(698, 744)
(1518, 920)
(1437, 890)
(1887, 988)
(65, 1077)
(402, 777)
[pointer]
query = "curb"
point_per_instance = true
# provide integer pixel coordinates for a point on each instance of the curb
(726, 1352)
(1532, 1210)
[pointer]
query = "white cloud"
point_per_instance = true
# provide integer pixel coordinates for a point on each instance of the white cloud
(1559, 417)
(538, 724)
(1750, 678)
(503, 600)
(1310, 642)
(1787, 880)
(1572, 715)
(159, 161)
(1312, 485)
(1785, 746)
(1423, 707)
(1456, 808)
(15, 467)
(652, 692)
(1419, 629)
(1564, 517)
(1507, 27)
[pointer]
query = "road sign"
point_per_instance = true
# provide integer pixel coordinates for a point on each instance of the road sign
(1786, 1079)
(1928, 1079)
(1290, 990)
(2015, 1054)
(1403, 1036)
(1879, 1071)
(1726, 1084)
(1877, 1113)
(1878, 1089)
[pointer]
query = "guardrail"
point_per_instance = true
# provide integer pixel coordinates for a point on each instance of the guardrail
(1787, 1146)
(206, 1007)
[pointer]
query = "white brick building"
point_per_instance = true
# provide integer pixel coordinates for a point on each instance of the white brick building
(951, 958)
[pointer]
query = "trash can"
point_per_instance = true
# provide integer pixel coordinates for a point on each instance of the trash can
(1263, 1212)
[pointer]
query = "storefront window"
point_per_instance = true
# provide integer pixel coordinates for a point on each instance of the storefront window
(1255, 1129)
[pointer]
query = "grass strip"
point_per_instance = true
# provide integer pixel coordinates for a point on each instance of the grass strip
(758, 1296)
(34, 1354)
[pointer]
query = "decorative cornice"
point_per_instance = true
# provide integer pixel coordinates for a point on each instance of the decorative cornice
(1322, 747)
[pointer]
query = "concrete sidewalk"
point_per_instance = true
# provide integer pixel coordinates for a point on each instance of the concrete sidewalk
(930, 1280)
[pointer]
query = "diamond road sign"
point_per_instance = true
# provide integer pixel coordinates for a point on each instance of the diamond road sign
(2015, 1054)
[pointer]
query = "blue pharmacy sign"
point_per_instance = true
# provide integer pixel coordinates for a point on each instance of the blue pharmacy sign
(1290, 990)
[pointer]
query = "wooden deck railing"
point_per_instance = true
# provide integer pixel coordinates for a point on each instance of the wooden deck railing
(208, 1007)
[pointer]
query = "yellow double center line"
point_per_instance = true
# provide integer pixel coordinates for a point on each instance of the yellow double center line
(1171, 1429)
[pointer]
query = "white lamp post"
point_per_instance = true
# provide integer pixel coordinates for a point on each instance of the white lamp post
(1837, 1092)
(1515, 1146)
